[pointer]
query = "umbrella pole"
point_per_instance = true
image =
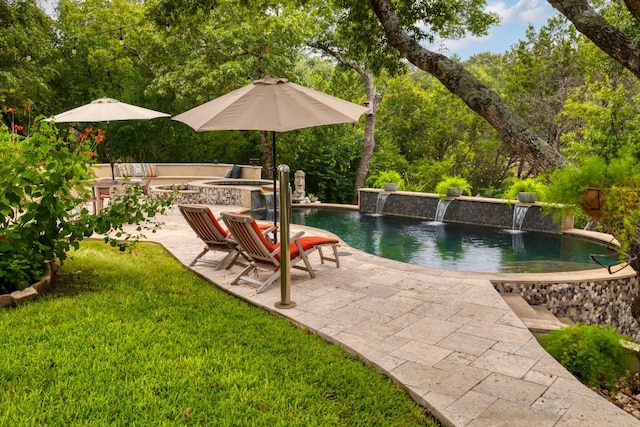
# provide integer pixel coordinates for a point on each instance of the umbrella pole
(113, 176)
(275, 193)
(285, 254)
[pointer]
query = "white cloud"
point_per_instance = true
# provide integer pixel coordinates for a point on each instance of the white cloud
(524, 11)
(515, 15)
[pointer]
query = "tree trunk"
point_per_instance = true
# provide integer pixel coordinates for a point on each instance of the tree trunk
(509, 125)
(267, 164)
(374, 99)
(369, 143)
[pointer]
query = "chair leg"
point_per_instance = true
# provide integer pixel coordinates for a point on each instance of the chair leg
(335, 259)
(242, 273)
(228, 260)
(268, 282)
(200, 255)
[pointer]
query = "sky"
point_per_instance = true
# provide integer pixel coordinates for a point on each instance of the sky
(516, 15)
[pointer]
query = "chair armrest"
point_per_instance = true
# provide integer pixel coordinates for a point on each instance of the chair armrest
(293, 238)
(265, 231)
(296, 236)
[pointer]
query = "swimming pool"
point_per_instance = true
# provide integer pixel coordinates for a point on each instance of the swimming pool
(454, 246)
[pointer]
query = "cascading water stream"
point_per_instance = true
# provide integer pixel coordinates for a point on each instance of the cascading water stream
(441, 209)
(269, 205)
(382, 200)
(519, 212)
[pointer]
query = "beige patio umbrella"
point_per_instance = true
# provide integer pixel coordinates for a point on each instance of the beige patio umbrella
(106, 110)
(271, 104)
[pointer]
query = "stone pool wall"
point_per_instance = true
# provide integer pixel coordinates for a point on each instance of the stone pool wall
(606, 302)
(468, 210)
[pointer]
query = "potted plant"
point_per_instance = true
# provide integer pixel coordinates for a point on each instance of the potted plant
(528, 190)
(453, 186)
(312, 197)
(389, 180)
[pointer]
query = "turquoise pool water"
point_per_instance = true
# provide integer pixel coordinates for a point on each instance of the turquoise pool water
(454, 246)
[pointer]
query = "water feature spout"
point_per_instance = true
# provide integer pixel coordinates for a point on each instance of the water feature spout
(441, 209)
(268, 205)
(519, 212)
(382, 200)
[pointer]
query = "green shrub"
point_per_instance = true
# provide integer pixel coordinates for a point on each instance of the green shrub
(389, 176)
(592, 353)
(529, 185)
(44, 181)
(453, 182)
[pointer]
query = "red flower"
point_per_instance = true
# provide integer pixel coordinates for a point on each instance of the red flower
(11, 110)
(18, 128)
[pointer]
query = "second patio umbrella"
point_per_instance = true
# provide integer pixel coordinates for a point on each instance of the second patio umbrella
(271, 104)
(106, 110)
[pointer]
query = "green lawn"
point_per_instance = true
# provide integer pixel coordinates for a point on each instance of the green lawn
(135, 339)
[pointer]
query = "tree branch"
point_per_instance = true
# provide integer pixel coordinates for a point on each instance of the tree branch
(604, 35)
(509, 125)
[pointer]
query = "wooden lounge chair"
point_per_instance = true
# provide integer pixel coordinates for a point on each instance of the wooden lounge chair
(208, 229)
(265, 255)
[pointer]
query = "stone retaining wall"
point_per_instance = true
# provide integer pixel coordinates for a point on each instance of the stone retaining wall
(216, 193)
(606, 302)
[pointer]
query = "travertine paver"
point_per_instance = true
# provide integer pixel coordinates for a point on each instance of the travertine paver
(447, 336)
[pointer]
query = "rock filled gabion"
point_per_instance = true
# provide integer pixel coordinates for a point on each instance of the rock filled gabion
(606, 302)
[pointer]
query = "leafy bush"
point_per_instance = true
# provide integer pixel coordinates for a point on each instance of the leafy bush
(44, 181)
(592, 353)
(569, 183)
(453, 182)
(389, 176)
(529, 185)
(619, 183)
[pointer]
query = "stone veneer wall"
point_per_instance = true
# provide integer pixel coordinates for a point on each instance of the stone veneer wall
(468, 210)
(215, 195)
(606, 302)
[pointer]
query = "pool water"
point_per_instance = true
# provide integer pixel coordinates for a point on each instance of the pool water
(454, 246)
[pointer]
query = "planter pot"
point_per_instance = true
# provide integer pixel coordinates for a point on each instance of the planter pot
(390, 186)
(454, 192)
(527, 197)
(592, 203)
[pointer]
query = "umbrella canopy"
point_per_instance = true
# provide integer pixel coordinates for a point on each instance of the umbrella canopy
(106, 110)
(271, 104)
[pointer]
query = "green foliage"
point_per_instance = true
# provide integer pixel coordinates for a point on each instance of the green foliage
(592, 353)
(389, 176)
(529, 185)
(44, 181)
(139, 325)
(568, 184)
(453, 182)
(621, 217)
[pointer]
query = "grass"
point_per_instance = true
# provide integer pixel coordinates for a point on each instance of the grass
(134, 339)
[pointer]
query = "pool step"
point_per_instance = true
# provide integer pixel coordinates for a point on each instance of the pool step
(535, 317)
